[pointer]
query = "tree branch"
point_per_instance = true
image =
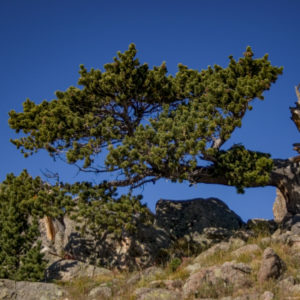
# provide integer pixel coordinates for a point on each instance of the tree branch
(297, 90)
(134, 181)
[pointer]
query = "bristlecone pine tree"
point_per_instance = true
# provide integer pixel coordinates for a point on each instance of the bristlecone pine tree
(22, 201)
(140, 125)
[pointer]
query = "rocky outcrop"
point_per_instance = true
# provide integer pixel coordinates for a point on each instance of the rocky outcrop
(250, 250)
(261, 226)
(135, 250)
(272, 266)
(289, 221)
(279, 207)
(224, 278)
(220, 247)
(187, 217)
(67, 242)
(229, 270)
(174, 285)
(65, 270)
(148, 274)
(21, 290)
(200, 222)
(100, 292)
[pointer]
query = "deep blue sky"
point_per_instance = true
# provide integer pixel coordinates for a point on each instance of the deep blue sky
(43, 43)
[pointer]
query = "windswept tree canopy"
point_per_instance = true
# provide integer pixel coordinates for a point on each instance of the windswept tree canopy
(150, 124)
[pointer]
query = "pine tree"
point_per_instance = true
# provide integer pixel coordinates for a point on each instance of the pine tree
(22, 201)
(145, 124)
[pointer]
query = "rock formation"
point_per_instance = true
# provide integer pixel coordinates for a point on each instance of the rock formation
(257, 260)
(193, 216)
(272, 267)
(279, 207)
(201, 221)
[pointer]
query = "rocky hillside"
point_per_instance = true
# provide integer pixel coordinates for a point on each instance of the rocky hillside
(230, 260)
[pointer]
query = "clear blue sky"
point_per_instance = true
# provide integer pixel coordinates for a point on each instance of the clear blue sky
(43, 43)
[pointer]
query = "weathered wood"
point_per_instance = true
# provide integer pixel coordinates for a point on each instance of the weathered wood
(286, 177)
(50, 230)
(296, 110)
(297, 89)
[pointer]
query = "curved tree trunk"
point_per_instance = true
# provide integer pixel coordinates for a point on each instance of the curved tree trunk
(286, 174)
(286, 177)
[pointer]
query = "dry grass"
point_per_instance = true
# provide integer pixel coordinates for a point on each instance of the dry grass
(215, 291)
(217, 258)
(79, 288)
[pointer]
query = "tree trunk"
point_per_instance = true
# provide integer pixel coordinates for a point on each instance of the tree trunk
(286, 174)
(286, 177)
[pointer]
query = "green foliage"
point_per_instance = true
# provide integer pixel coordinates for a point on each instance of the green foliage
(23, 200)
(145, 124)
(20, 256)
(243, 168)
(35, 197)
(174, 264)
(145, 118)
(101, 212)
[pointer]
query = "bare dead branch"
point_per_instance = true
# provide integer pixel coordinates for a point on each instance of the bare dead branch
(297, 90)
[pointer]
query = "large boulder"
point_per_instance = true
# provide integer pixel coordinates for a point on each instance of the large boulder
(100, 292)
(21, 290)
(193, 216)
(218, 281)
(272, 266)
(66, 270)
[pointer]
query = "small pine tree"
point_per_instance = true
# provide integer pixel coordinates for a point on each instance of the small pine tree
(21, 205)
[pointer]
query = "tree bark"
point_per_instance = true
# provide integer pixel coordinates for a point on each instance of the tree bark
(286, 177)
(286, 173)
